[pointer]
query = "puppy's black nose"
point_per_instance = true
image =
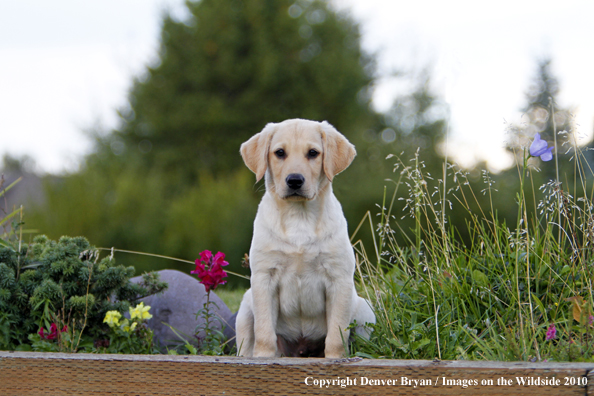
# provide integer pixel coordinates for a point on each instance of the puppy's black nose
(295, 181)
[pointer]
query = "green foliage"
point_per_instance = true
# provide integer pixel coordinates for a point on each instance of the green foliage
(229, 69)
(136, 341)
(493, 298)
(141, 214)
(9, 223)
(415, 123)
(213, 342)
(66, 283)
(38, 344)
(210, 340)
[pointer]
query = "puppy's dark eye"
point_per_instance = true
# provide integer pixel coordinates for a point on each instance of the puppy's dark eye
(280, 153)
(311, 154)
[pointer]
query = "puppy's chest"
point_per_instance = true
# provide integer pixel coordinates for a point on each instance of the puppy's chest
(299, 226)
(302, 288)
(304, 265)
(299, 235)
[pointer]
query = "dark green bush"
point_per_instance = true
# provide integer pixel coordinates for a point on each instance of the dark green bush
(67, 282)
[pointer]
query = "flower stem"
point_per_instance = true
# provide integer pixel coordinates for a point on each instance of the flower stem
(556, 164)
(521, 201)
(208, 342)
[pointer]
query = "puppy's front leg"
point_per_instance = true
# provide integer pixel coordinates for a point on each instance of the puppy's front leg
(339, 305)
(265, 309)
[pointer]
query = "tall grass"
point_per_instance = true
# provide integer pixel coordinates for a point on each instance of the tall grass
(518, 291)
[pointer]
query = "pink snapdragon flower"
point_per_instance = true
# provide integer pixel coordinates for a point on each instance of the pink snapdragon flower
(209, 269)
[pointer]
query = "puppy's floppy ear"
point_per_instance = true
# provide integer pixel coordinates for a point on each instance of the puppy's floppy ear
(255, 151)
(338, 151)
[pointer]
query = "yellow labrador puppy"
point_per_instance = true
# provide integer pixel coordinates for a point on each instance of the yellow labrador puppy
(302, 295)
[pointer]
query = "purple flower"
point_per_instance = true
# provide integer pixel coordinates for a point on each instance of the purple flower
(551, 333)
(539, 148)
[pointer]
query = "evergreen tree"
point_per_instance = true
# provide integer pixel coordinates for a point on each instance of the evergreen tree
(231, 68)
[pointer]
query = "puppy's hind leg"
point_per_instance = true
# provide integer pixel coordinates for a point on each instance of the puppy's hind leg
(244, 326)
(363, 314)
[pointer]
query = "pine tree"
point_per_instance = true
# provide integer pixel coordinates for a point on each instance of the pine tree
(234, 66)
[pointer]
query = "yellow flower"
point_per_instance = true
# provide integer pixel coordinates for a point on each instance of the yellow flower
(140, 312)
(112, 318)
(131, 328)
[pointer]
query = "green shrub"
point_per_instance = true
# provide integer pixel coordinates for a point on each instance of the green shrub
(64, 283)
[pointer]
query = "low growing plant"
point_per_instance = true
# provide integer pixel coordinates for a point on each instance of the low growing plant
(64, 289)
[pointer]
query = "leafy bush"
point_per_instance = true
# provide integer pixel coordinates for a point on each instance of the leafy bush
(62, 285)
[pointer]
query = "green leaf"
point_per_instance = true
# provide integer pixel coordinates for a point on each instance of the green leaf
(191, 349)
(480, 278)
(10, 215)
(419, 344)
(6, 244)
(4, 190)
(539, 304)
(23, 348)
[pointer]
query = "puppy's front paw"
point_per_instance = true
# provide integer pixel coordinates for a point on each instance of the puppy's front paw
(334, 352)
(265, 349)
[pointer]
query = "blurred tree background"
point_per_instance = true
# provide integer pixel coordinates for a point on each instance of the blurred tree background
(169, 180)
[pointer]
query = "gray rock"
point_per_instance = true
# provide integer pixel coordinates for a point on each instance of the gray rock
(177, 306)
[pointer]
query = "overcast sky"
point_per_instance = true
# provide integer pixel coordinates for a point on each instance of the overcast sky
(66, 65)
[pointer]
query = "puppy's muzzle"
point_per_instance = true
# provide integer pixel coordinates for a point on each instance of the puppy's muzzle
(295, 181)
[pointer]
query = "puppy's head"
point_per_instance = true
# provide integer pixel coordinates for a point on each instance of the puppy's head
(298, 157)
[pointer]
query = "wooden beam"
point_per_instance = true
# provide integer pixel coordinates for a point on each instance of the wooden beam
(30, 373)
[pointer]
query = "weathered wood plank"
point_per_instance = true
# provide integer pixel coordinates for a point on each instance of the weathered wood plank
(23, 373)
